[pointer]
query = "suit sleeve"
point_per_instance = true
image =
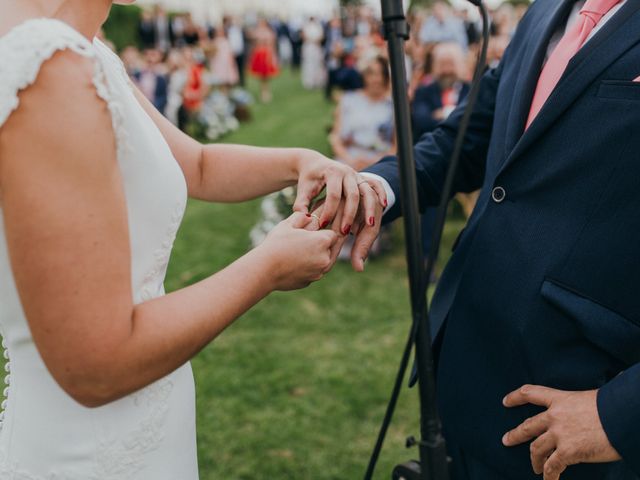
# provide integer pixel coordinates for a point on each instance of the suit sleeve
(433, 151)
(422, 119)
(619, 410)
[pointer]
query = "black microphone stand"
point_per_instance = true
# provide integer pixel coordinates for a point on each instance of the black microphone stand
(433, 454)
(434, 463)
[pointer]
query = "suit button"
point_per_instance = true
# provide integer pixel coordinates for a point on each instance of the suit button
(498, 194)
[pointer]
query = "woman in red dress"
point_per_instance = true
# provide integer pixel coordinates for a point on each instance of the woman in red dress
(264, 63)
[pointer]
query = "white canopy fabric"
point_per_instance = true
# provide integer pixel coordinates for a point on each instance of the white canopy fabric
(213, 10)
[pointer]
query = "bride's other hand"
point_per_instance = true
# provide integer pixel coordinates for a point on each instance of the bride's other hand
(296, 256)
(345, 191)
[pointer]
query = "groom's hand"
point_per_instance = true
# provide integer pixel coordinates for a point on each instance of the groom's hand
(567, 433)
(369, 221)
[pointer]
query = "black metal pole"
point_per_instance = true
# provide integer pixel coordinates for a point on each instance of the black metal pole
(433, 456)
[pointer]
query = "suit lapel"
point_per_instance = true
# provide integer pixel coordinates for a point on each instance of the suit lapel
(531, 66)
(619, 34)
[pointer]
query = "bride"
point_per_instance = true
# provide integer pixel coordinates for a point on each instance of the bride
(93, 187)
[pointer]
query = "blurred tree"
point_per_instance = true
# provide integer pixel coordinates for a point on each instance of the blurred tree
(122, 25)
(423, 3)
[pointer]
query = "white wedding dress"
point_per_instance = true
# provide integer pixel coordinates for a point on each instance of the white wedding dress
(45, 434)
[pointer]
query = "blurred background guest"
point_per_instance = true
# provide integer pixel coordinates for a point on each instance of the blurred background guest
(295, 34)
(313, 71)
(152, 78)
(237, 41)
(147, 30)
(443, 26)
(334, 47)
(191, 35)
(162, 27)
(422, 67)
(434, 102)
(178, 75)
(195, 89)
(222, 63)
(263, 61)
(363, 130)
(177, 30)
(285, 49)
(132, 60)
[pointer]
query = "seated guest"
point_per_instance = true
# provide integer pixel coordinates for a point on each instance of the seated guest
(434, 102)
(347, 78)
(363, 130)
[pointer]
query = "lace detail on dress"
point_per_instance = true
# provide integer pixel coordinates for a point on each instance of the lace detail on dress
(12, 471)
(162, 254)
(31, 44)
(115, 62)
(122, 458)
(25, 48)
(115, 107)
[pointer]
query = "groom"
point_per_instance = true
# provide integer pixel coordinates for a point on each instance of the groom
(541, 297)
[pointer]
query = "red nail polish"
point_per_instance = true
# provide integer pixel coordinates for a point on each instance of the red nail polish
(325, 224)
(309, 215)
(386, 203)
(372, 221)
(347, 230)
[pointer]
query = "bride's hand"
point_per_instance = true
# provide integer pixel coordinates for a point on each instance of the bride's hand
(347, 192)
(297, 256)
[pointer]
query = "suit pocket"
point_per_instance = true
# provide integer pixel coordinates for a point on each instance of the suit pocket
(619, 90)
(608, 330)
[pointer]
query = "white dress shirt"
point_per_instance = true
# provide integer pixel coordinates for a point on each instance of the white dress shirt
(573, 17)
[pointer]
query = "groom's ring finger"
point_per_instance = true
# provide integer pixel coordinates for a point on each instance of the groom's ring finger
(351, 204)
(369, 200)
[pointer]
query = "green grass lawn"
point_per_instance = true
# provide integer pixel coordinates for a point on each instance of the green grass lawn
(296, 389)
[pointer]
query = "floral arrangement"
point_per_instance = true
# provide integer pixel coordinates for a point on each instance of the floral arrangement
(220, 113)
(274, 208)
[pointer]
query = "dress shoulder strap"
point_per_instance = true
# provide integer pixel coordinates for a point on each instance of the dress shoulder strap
(23, 51)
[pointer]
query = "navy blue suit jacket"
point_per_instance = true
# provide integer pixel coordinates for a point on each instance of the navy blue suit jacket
(543, 287)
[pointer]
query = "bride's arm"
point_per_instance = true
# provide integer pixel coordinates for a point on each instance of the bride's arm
(235, 173)
(66, 227)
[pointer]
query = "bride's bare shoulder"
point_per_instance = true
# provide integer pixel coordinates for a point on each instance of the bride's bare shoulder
(37, 58)
(56, 117)
(49, 90)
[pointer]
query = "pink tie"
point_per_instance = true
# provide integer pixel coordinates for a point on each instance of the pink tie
(571, 43)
